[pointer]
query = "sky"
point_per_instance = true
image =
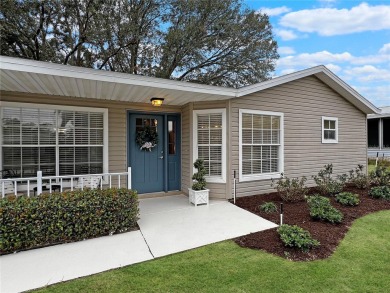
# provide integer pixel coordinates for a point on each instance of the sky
(350, 37)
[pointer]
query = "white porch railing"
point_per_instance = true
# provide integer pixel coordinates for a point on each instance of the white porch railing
(58, 183)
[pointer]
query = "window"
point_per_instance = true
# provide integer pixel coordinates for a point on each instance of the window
(56, 140)
(373, 133)
(261, 145)
(210, 142)
(329, 130)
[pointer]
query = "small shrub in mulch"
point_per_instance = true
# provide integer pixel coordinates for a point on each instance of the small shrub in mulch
(348, 198)
(358, 178)
(268, 207)
(297, 213)
(382, 192)
(381, 175)
(328, 184)
(294, 236)
(290, 189)
(321, 209)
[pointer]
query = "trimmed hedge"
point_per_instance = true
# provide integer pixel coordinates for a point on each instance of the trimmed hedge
(65, 217)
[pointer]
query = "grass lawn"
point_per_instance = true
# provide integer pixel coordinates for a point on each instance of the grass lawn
(360, 264)
(371, 165)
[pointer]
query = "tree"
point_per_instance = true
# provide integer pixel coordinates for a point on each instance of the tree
(216, 42)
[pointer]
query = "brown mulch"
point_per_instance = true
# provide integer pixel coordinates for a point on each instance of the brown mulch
(328, 234)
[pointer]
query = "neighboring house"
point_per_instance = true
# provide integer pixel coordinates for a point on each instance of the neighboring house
(71, 120)
(378, 133)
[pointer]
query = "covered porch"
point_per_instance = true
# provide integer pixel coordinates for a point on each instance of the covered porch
(378, 132)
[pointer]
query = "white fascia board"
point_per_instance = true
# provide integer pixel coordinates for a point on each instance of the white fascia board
(47, 68)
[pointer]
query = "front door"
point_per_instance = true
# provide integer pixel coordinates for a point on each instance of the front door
(147, 164)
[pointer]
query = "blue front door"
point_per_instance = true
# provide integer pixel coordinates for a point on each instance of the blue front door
(147, 166)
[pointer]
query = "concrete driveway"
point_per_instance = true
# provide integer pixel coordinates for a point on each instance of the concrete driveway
(168, 225)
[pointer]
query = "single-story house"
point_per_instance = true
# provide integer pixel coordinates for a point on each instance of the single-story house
(378, 133)
(71, 120)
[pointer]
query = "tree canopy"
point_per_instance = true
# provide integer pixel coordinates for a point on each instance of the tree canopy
(217, 42)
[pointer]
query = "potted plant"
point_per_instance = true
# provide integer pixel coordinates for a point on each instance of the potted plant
(198, 194)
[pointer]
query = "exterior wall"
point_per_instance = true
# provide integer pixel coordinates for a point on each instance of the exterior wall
(303, 103)
(217, 190)
(117, 120)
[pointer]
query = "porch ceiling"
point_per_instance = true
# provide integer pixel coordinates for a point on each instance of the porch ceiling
(29, 76)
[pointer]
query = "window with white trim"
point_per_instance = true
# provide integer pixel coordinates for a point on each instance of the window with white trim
(261, 144)
(51, 139)
(210, 142)
(329, 130)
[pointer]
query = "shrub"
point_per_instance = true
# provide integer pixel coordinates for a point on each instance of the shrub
(382, 192)
(358, 178)
(291, 190)
(199, 176)
(321, 209)
(381, 175)
(268, 207)
(348, 198)
(29, 222)
(295, 236)
(328, 185)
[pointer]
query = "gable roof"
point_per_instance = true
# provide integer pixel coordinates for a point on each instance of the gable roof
(30, 76)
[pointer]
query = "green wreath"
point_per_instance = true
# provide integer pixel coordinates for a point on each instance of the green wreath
(147, 138)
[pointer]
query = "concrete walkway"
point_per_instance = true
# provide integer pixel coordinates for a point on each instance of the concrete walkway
(168, 225)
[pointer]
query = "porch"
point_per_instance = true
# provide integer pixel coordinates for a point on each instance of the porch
(167, 225)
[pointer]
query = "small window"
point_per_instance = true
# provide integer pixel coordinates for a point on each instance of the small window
(329, 130)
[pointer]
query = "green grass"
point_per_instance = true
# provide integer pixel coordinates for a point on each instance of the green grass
(360, 264)
(371, 165)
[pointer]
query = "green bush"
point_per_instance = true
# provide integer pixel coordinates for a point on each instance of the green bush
(348, 198)
(28, 222)
(328, 185)
(358, 178)
(295, 236)
(199, 177)
(381, 175)
(382, 192)
(321, 209)
(290, 190)
(268, 207)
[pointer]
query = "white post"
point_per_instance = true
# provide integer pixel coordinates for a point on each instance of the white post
(39, 182)
(128, 177)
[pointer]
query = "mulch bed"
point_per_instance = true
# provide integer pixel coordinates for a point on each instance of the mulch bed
(328, 234)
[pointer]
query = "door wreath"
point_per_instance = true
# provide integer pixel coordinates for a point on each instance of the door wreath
(147, 138)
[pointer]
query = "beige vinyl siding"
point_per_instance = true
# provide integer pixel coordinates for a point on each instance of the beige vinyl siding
(186, 151)
(303, 103)
(117, 120)
(217, 190)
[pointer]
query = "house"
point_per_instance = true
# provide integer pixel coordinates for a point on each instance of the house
(71, 120)
(378, 133)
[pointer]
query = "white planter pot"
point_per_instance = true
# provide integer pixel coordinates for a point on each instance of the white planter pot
(198, 197)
